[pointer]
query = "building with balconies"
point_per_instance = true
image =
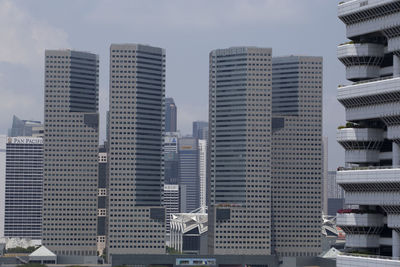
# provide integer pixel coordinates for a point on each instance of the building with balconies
(371, 137)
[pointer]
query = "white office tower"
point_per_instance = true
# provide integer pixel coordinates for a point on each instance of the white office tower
(136, 222)
(297, 159)
(239, 151)
(71, 138)
(371, 137)
(203, 171)
(171, 202)
(3, 146)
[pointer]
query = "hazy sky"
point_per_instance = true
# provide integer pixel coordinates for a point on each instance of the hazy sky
(187, 29)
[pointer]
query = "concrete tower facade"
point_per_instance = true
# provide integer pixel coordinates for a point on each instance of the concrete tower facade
(240, 94)
(136, 222)
(297, 159)
(70, 154)
(371, 136)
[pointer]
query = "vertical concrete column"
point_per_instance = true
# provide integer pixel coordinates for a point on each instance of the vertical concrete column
(396, 155)
(395, 244)
(396, 66)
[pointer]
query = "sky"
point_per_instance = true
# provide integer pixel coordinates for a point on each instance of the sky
(187, 29)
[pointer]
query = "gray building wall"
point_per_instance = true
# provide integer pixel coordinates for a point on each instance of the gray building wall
(71, 153)
(240, 89)
(170, 115)
(189, 176)
(137, 93)
(200, 130)
(297, 160)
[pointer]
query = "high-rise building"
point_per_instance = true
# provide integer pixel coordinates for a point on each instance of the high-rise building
(189, 171)
(171, 202)
(71, 139)
(335, 195)
(136, 222)
(239, 152)
(24, 188)
(203, 172)
(102, 200)
(297, 160)
(3, 147)
(171, 158)
(26, 128)
(325, 175)
(371, 136)
(200, 130)
(170, 115)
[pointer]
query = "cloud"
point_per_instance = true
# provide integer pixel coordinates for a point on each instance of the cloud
(24, 38)
(23, 41)
(192, 15)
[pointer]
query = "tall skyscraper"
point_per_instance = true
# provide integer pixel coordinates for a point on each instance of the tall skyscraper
(137, 93)
(203, 172)
(170, 115)
(297, 159)
(189, 172)
(71, 154)
(171, 158)
(24, 188)
(3, 146)
(325, 174)
(239, 151)
(25, 128)
(200, 130)
(371, 138)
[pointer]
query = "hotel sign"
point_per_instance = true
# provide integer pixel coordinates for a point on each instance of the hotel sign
(25, 140)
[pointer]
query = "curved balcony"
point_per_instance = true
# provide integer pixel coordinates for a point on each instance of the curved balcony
(349, 52)
(359, 220)
(360, 138)
(367, 93)
(389, 113)
(362, 156)
(362, 60)
(369, 178)
(363, 17)
(362, 240)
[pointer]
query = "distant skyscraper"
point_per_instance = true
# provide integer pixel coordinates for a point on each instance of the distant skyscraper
(335, 195)
(171, 202)
(203, 172)
(170, 115)
(26, 128)
(71, 154)
(297, 159)
(137, 93)
(3, 146)
(189, 171)
(171, 158)
(239, 151)
(24, 188)
(200, 130)
(102, 200)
